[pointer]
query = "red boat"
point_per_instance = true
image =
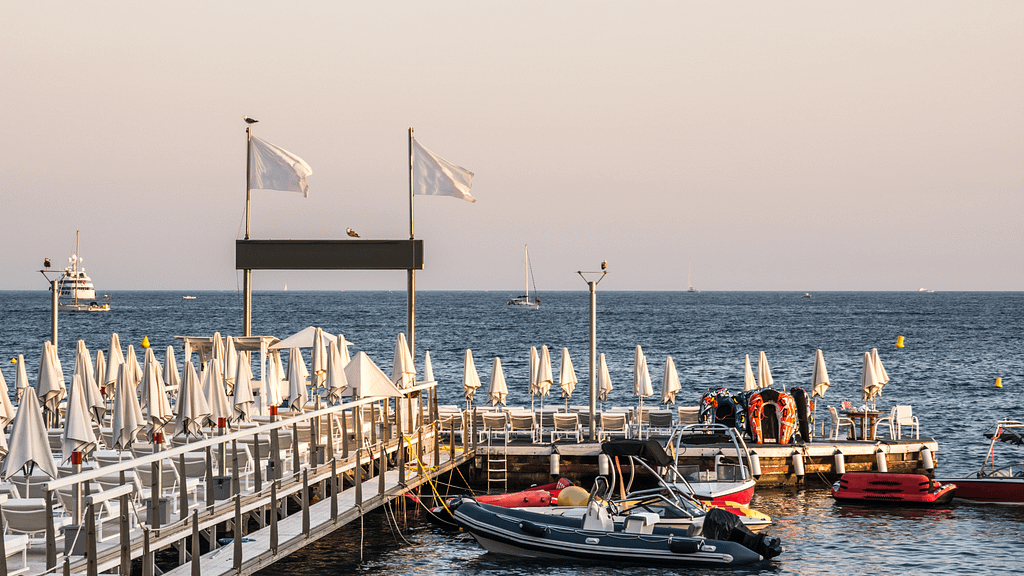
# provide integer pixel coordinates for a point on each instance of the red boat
(991, 484)
(892, 489)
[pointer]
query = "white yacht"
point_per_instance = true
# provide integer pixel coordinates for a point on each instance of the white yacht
(75, 285)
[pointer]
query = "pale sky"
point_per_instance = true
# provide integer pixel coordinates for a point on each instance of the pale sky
(775, 145)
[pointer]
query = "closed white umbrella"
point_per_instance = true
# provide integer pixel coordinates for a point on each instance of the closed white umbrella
(274, 380)
(297, 395)
(567, 380)
(128, 419)
(498, 390)
(6, 407)
(764, 372)
(428, 368)
(242, 398)
(50, 384)
(29, 444)
(545, 379)
(366, 379)
(20, 378)
(749, 383)
(261, 406)
(343, 345)
(217, 351)
(191, 409)
(337, 382)
(230, 365)
(534, 365)
(670, 383)
(133, 368)
(819, 377)
(101, 374)
(604, 380)
(869, 380)
(318, 363)
(642, 386)
(880, 373)
(90, 389)
(171, 378)
(470, 378)
(216, 394)
(158, 408)
(78, 434)
(114, 360)
(403, 371)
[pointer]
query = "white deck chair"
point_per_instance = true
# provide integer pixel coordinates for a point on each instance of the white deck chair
(28, 516)
(495, 424)
(566, 424)
(522, 422)
(659, 423)
(614, 424)
(16, 545)
(840, 422)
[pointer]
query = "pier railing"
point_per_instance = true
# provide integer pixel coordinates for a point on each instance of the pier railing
(258, 469)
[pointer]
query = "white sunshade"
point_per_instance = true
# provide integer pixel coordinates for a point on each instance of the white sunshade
(128, 419)
(78, 434)
(297, 394)
(641, 375)
(6, 407)
(29, 444)
(470, 377)
(868, 379)
(749, 383)
(337, 382)
(819, 377)
(366, 379)
(303, 339)
(604, 379)
(191, 408)
(764, 372)
(567, 380)
(498, 389)
(114, 360)
(670, 384)
(50, 385)
(216, 394)
(90, 389)
(428, 368)
(158, 408)
(242, 398)
(880, 373)
(403, 371)
(545, 379)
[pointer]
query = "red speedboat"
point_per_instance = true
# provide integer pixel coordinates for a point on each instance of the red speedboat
(732, 477)
(892, 489)
(993, 484)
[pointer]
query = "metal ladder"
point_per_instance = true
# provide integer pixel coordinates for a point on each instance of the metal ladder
(497, 467)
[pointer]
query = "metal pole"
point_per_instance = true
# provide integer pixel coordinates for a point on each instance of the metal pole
(53, 312)
(247, 273)
(411, 319)
(593, 360)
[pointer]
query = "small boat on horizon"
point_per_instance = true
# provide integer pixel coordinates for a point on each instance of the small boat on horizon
(689, 281)
(188, 297)
(524, 302)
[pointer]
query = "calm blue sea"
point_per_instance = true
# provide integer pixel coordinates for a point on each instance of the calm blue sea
(957, 344)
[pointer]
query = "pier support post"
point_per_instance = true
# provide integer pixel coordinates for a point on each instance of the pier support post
(359, 479)
(344, 434)
(273, 516)
(305, 503)
(147, 556)
(125, 567)
(238, 534)
(196, 550)
(51, 534)
(209, 476)
(91, 567)
(182, 505)
(382, 469)
(334, 491)
(295, 449)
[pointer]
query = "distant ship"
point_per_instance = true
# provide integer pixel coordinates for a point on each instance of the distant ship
(688, 280)
(806, 295)
(524, 302)
(75, 284)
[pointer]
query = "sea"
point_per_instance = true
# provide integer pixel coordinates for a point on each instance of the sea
(956, 345)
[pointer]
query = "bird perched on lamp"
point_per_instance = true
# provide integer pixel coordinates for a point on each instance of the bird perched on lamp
(46, 263)
(604, 265)
(351, 233)
(249, 120)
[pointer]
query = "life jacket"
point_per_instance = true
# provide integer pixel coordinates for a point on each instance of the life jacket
(771, 414)
(721, 407)
(805, 417)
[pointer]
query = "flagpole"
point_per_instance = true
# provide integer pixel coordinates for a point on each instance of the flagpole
(411, 298)
(247, 273)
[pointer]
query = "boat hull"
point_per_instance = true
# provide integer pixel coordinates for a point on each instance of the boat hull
(723, 492)
(993, 490)
(526, 534)
(884, 488)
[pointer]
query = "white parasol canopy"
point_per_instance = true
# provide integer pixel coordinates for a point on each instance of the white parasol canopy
(318, 362)
(428, 368)
(29, 444)
(90, 389)
(366, 379)
(261, 406)
(191, 409)
(567, 380)
(545, 379)
(242, 398)
(78, 434)
(337, 382)
(114, 360)
(297, 394)
(50, 385)
(403, 371)
(274, 380)
(604, 379)
(869, 380)
(230, 365)
(819, 377)
(749, 383)
(158, 409)
(128, 419)
(171, 378)
(133, 368)
(534, 365)
(764, 372)
(20, 378)
(216, 395)
(217, 351)
(470, 378)
(6, 409)
(880, 373)
(641, 380)
(497, 391)
(101, 374)
(670, 383)
(302, 339)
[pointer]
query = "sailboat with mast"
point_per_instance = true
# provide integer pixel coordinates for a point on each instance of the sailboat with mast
(524, 301)
(689, 281)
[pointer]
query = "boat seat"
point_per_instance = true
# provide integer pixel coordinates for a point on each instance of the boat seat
(598, 517)
(640, 523)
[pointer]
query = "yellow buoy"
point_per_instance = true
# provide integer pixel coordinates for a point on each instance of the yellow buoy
(145, 341)
(573, 496)
(899, 341)
(14, 360)
(999, 382)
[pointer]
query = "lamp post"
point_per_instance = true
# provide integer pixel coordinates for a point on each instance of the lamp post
(598, 276)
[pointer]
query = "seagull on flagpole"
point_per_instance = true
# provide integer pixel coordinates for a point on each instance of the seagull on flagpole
(351, 233)
(249, 120)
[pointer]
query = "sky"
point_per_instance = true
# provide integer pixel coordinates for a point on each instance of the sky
(766, 146)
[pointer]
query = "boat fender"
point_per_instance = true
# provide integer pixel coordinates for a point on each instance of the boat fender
(926, 458)
(533, 529)
(685, 546)
(880, 461)
(755, 465)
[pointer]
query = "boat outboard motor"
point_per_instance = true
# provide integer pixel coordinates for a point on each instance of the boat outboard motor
(803, 413)
(723, 525)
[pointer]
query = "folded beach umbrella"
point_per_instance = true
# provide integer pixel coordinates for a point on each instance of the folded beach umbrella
(642, 386)
(274, 380)
(869, 380)
(217, 350)
(128, 419)
(318, 362)
(545, 379)
(134, 369)
(880, 373)
(337, 382)
(90, 388)
(191, 409)
(748, 377)
(297, 394)
(403, 371)
(428, 368)
(567, 380)
(78, 434)
(819, 377)
(101, 375)
(217, 395)
(604, 379)
(470, 378)
(171, 378)
(670, 384)
(261, 404)
(20, 378)
(764, 372)
(343, 345)
(6, 407)
(114, 360)
(29, 445)
(534, 365)
(366, 379)
(158, 409)
(50, 384)
(498, 390)
(230, 365)
(242, 398)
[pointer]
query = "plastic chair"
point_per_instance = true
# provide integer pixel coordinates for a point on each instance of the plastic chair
(566, 424)
(494, 424)
(840, 422)
(614, 424)
(522, 422)
(900, 416)
(659, 424)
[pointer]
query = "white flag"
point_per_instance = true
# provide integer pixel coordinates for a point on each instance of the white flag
(273, 168)
(435, 176)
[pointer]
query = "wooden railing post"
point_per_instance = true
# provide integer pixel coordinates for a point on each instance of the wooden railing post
(334, 491)
(91, 567)
(273, 516)
(344, 434)
(359, 478)
(196, 549)
(125, 567)
(305, 503)
(51, 534)
(238, 534)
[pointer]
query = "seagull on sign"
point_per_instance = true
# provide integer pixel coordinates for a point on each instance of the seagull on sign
(351, 232)
(249, 120)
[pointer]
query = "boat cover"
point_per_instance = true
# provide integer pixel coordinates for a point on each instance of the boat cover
(648, 450)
